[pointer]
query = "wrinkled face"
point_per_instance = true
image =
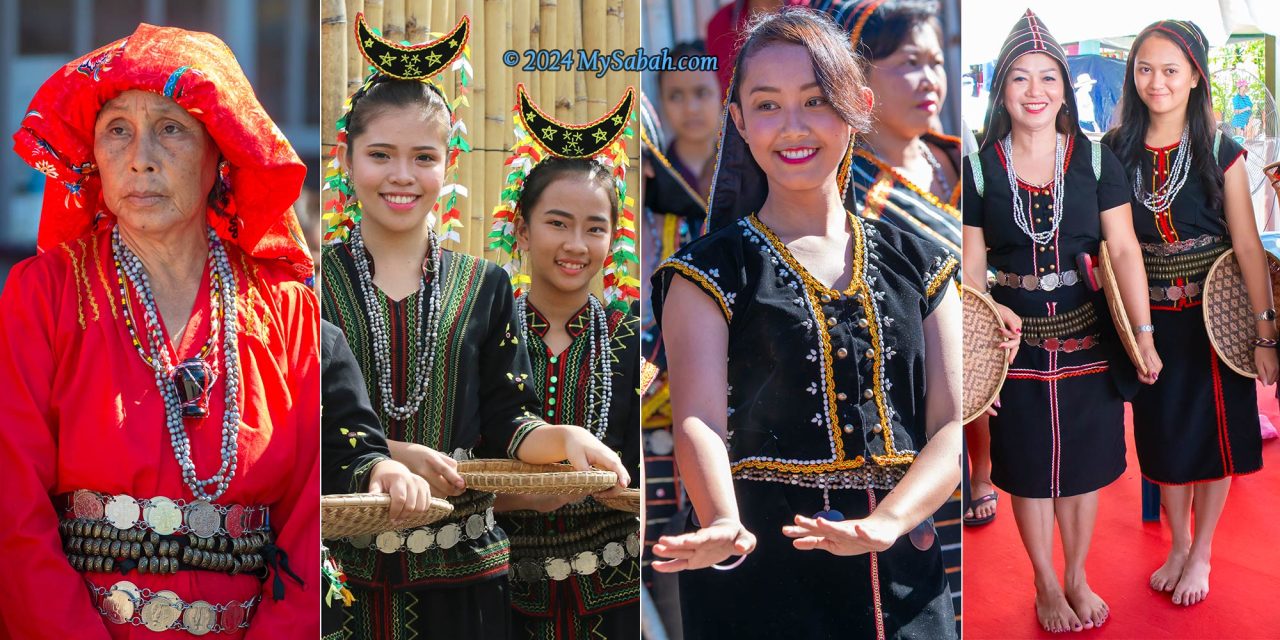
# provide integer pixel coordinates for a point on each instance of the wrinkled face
(397, 167)
(1033, 91)
(795, 135)
(910, 85)
(1163, 76)
(691, 104)
(157, 162)
(566, 235)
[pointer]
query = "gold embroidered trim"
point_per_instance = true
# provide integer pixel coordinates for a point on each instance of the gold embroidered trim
(704, 282)
(941, 277)
(102, 276)
(76, 274)
(84, 273)
(948, 207)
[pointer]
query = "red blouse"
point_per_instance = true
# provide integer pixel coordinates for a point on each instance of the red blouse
(81, 410)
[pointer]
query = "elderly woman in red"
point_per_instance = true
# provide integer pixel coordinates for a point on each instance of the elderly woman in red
(159, 359)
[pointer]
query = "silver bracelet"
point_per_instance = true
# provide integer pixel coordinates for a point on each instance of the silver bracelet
(1145, 328)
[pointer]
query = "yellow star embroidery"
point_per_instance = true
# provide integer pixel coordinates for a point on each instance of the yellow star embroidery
(433, 59)
(368, 42)
(548, 133)
(453, 43)
(617, 119)
(387, 59)
(599, 135)
(411, 69)
(574, 136)
(573, 148)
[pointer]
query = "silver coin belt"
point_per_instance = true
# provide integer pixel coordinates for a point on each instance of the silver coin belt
(584, 563)
(124, 603)
(165, 516)
(420, 539)
(868, 476)
(1046, 282)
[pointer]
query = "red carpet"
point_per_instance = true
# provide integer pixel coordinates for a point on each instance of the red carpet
(1244, 588)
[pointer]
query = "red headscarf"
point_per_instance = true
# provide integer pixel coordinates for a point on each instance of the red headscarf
(200, 73)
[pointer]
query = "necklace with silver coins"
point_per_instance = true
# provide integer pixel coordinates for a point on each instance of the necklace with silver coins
(417, 385)
(1056, 191)
(1160, 200)
(600, 388)
(156, 353)
(939, 176)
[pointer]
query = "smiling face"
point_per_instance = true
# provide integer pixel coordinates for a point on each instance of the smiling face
(794, 134)
(565, 234)
(397, 167)
(157, 162)
(1163, 76)
(909, 84)
(1033, 92)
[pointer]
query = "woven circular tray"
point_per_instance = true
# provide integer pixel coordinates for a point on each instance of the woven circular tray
(512, 476)
(628, 500)
(985, 363)
(1228, 314)
(1111, 287)
(648, 373)
(358, 514)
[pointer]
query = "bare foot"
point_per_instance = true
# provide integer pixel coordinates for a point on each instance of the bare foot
(1194, 584)
(1054, 611)
(980, 489)
(1168, 574)
(1090, 608)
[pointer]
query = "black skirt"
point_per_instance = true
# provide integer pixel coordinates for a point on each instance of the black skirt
(1059, 431)
(474, 611)
(782, 592)
(1199, 421)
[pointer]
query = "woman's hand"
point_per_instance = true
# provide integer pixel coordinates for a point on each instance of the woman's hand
(847, 538)
(1265, 359)
(1012, 330)
(410, 493)
(1147, 351)
(440, 470)
(585, 451)
(709, 545)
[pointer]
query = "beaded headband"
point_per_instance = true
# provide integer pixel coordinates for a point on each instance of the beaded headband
(602, 140)
(426, 63)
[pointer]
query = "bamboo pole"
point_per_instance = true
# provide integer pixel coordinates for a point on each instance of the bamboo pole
(393, 20)
(416, 20)
(494, 110)
(522, 26)
(473, 174)
(614, 80)
(354, 70)
(549, 39)
(568, 21)
(439, 16)
(333, 23)
(373, 13)
(594, 30)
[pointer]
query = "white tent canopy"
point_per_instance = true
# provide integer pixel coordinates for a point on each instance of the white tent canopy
(987, 22)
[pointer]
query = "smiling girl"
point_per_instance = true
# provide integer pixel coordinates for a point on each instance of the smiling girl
(1197, 427)
(800, 339)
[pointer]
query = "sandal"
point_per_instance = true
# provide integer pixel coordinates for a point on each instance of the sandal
(973, 506)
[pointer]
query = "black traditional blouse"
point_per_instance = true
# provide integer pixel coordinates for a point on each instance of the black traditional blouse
(480, 402)
(351, 435)
(826, 388)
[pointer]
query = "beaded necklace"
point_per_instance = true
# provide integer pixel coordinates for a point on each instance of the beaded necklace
(1161, 198)
(420, 377)
(600, 388)
(1059, 159)
(938, 174)
(157, 354)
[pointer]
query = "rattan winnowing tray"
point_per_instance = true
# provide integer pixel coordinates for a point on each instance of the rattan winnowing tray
(985, 363)
(358, 514)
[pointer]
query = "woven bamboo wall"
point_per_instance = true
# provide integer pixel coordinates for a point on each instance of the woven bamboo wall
(497, 26)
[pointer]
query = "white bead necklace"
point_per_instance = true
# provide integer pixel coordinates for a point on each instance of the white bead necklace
(1161, 199)
(1056, 190)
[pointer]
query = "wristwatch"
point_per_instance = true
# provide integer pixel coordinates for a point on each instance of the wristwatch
(1268, 315)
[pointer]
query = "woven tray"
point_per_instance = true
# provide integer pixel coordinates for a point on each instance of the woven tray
(1111, 287)
(358, 514)
(985, 363)
(511, 476)
(1228, 314)
(648, 373)
(628, 501)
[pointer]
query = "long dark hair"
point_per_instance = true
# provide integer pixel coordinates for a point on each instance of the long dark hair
(899, 19)
(1001, 123)
(1128, 134)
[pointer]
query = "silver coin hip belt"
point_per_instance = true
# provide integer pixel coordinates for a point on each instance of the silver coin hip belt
(583, 563)
(1046, 282)
(420, 539)
(165, 516)
(125, 603)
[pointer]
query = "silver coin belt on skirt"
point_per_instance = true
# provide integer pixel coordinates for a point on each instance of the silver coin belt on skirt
(1186, 261)
(582, 563)
(1045, 282)
(160, 536)
(1062, 332)
(420, 539)
(124, 603)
